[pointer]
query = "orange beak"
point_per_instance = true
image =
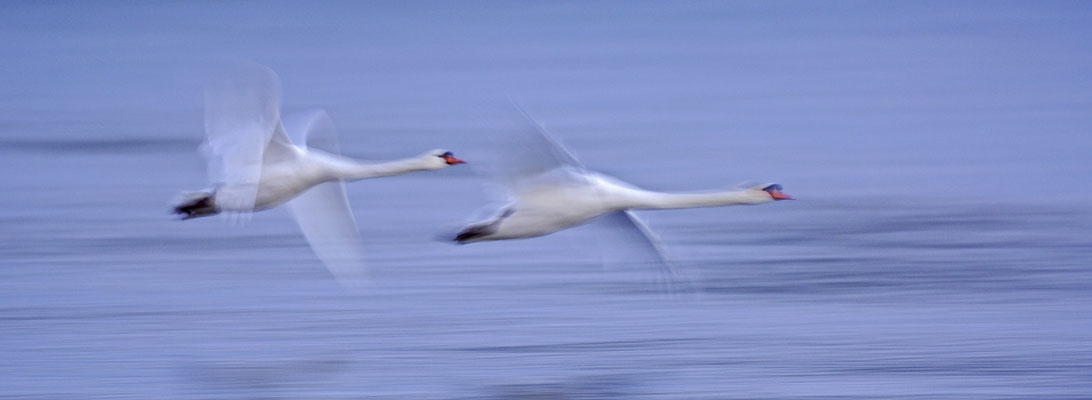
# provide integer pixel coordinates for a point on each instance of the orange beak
(450, 159)
(778, 195)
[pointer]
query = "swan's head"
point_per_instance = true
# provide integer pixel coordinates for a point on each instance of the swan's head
(437, 159)
(775, 192)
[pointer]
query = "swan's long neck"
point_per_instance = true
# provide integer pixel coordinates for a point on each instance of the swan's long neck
(350, 170)
(659, 200)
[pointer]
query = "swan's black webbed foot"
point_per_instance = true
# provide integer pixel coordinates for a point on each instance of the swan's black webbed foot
(483, 229)
(195, 205)
(472, 232)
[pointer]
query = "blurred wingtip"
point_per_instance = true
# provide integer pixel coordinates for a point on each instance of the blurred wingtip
(446, 236)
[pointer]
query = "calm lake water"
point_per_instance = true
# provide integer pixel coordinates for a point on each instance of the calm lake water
(940, 247)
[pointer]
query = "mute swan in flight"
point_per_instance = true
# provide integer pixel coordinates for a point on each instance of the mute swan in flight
(255, 163)
(548, 190)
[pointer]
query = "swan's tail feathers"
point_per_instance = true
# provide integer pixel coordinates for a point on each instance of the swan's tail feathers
(195, 204)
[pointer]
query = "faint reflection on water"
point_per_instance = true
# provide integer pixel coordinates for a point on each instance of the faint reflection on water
(249, 379)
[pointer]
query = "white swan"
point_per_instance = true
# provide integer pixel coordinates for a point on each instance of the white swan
(254, 165)
(549, 190)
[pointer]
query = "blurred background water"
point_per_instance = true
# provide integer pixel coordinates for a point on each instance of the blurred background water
(939, 248)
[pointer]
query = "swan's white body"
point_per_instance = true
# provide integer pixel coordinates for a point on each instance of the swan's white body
(567, 196)
(286, 170)
(255, 163)
(547, 189)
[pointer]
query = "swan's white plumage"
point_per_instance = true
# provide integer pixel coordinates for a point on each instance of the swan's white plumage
(255, 164)
(532, 155)
(312, 130)
(242, 114)
(547, 189)
(323, 212)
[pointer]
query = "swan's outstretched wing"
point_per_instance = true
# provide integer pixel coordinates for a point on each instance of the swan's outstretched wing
(312, 129)
(323, 212)
(628, 241)
(549, 152)
(531, 150)
(326, 220)
(530, 157)
(241, 116)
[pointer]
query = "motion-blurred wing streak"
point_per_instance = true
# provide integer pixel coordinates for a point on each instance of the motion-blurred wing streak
(241, 117)
(326, 220)
(323, 212)
(314, 130)
(629, 240)
(530, 153)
